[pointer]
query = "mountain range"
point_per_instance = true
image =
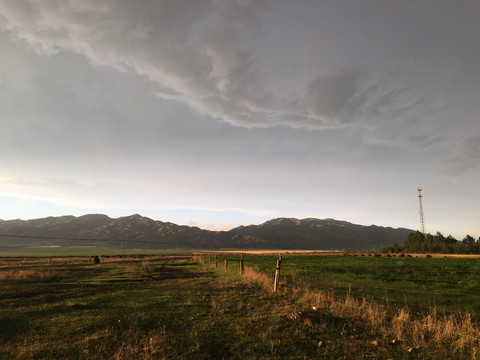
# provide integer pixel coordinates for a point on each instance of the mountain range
(138, 232)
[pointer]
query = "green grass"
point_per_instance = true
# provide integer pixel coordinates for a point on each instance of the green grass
(163, 308)
(160, 309)
(449, 285)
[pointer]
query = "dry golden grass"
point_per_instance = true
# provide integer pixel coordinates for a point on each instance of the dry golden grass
(400, 322)
(263, 279)
(456, 332)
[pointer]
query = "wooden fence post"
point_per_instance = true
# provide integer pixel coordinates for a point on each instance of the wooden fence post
(216, 262)
(226, 264)
(277, 275)
(242, 269)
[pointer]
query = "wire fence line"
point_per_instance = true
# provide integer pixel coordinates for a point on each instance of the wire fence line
(445, 294)
(288, 280)
(358, 278)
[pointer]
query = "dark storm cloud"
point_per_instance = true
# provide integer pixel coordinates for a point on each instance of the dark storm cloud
(204, 53)
(350, 95)
(200, 53)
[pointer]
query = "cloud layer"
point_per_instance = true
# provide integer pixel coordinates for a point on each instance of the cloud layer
(211, 55)
(272, 106)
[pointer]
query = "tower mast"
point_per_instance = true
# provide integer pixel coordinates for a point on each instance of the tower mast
(420, 210)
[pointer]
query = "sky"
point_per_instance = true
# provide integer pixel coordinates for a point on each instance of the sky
(219, 113)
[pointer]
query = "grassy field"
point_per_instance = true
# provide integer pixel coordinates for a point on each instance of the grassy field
(447, 285)
(168, 307)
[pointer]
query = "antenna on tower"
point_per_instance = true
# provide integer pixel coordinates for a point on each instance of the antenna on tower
(420, 210)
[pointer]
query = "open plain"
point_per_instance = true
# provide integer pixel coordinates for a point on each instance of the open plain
(192, 307)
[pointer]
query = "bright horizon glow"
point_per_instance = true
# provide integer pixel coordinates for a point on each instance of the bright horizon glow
(204, 219)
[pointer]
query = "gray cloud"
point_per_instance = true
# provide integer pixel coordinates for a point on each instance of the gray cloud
(199, 53)
(258, 105)
(335, 97)
(384, 65)
(464, 157)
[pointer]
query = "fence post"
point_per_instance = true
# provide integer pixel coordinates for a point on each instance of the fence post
(226, 264)
(209, 260)
(242, 269)
(216, 262)
(277, 275)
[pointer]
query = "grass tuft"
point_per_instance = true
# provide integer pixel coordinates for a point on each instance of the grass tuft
(456, 333)
(260, 278)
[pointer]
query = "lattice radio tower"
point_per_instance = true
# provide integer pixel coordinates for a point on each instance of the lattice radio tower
(420, 210)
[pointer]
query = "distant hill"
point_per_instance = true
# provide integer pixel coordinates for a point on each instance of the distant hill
(140, 232)
(321, 234)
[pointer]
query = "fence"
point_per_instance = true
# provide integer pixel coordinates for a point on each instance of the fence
(420, 284)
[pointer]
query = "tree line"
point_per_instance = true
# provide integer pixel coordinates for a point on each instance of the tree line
(423, 243)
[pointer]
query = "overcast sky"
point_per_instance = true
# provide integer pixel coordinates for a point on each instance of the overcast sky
(221, 113)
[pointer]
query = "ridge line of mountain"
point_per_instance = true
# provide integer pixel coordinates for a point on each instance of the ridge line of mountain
(285, 233)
